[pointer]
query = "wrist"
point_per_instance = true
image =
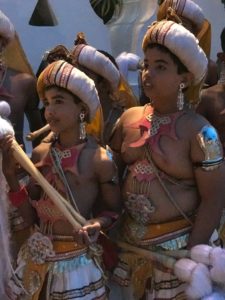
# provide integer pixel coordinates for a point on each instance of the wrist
(107, 219)
(104, 222)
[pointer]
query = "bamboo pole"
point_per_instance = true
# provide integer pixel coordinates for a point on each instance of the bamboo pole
(68, 211)
(35, 134)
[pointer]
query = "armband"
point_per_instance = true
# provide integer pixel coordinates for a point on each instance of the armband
(210, 144)
(19, 197)
(114, 180)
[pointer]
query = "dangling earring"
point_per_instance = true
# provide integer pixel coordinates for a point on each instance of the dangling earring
(180, 97)
(83, 134)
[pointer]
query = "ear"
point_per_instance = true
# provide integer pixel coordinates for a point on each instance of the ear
(84, 109)
(188, 79)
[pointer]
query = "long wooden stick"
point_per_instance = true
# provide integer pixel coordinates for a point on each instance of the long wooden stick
(74, 218)
(35, 134)
(165, 260)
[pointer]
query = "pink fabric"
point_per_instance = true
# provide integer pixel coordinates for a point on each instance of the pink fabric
(45, 208)
(164, 126)
(145, 126)
(67, 163)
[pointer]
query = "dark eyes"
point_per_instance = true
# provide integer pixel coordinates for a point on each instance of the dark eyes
(160, 67)
(157, 67)
(56, 101)
(45, 103)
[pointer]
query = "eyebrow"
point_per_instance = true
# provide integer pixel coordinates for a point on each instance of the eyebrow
(158, 61)
(58, 96)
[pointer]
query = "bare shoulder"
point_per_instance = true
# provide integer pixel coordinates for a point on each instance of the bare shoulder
(212, 91)
(132, 114)
(22, 77)
(194, 122)
(103, 160)
(40, 152)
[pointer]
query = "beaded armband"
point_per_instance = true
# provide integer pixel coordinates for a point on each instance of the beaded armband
(210, 144)
(18, 198)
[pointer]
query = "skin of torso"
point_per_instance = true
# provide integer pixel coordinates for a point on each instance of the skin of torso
(84, 185)
(175, 162)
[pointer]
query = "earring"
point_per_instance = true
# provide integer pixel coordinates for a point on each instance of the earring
(83, 134)
(180, 97)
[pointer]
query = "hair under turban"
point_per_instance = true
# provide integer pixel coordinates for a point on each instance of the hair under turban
(63, 74)
(182, 43)
(7, 30)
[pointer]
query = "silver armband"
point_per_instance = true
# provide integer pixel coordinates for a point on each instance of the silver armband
(109, 153)
(210, 144)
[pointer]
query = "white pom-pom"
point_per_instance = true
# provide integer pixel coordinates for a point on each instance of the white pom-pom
(201, 253)
(215, 296)
(5, 128)
(217, 260)
(5, 109)
(183, 269)
(127, 61)
(200, 285)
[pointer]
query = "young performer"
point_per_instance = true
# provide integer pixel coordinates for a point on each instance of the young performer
(173, 188)
(114, 92)
(59, 260)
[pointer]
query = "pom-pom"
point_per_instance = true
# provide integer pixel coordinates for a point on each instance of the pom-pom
(5, 128)
(5, 109)
(183, 269)
(217, 260)
(215, 296)
(201, 254)
(200, 285)
(127, 61)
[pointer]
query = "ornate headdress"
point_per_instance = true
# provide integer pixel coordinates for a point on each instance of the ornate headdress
(97, 62)
(182, 43)
(63, 74)
(177, 9)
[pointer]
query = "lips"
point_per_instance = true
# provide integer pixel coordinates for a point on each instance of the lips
(52, 122)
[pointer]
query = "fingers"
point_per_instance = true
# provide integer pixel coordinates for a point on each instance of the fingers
(88, 234)
(6, 143)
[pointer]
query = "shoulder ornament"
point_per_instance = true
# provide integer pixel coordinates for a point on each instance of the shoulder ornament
(210, 144)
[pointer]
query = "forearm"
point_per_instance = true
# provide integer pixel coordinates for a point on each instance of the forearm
(207, 220)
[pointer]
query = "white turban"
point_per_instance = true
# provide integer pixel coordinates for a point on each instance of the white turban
(182, 43)
(183, 8)
(128, 61)
(97, 62)
(7, 30)
(63, 74)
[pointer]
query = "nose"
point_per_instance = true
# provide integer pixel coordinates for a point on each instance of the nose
(49, 110)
